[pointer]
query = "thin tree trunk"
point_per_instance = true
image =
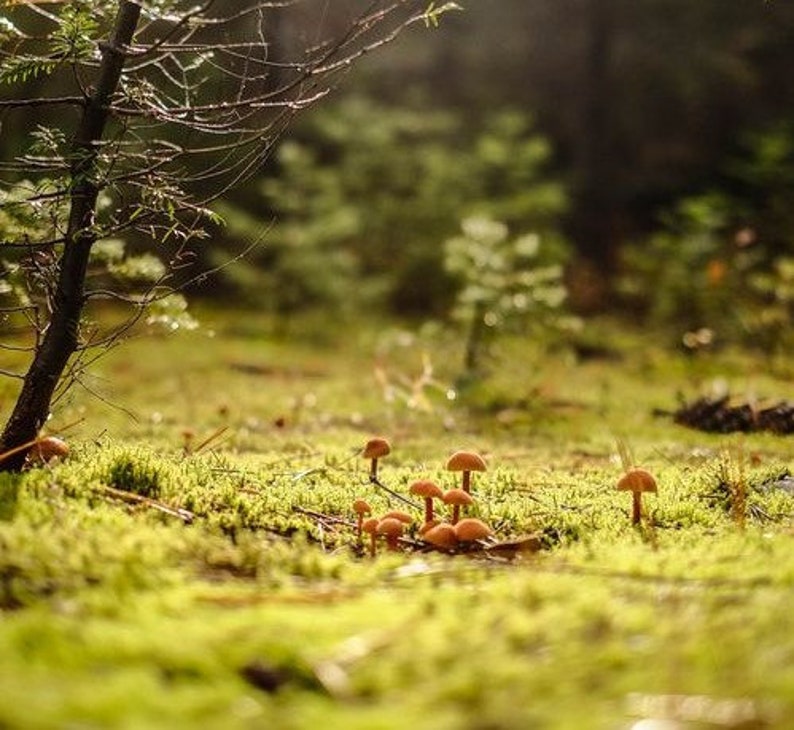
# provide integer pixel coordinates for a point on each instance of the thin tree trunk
(61, 337)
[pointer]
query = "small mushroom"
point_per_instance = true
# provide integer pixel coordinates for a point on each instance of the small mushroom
(375, 448)
(392, 529)
(370, 527)
(399, 515)
(457, 498)
(636, 481)
(188, 436)
(466, 462)
(46, 449)
(428, 526)
(441, 536)
(471, 529)
(361, 507)
(428, 491)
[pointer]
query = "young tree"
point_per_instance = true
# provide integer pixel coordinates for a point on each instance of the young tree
(151, 109)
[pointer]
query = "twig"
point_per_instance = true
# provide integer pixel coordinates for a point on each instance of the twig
(212, 437)
(185, 515)
(396, 495)
(323, 517)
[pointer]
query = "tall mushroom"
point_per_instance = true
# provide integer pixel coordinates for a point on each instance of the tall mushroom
(636, 481)
(361, 507)
(428, 491)
(376, 448)
(466, 462)
(457, 498)
(370, 526)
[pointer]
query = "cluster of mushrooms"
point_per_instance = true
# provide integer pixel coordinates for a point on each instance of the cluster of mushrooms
(458, 532)
(436, 533)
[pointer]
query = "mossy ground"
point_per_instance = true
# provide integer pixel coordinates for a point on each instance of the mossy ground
(260, 611)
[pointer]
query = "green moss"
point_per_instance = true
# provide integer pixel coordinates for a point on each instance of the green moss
(146, 587)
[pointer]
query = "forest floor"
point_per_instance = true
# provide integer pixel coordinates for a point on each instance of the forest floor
(194, 561)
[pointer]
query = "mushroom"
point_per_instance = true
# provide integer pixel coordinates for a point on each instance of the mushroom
(428, 526)
(46, 449)
(471, 530)
(428, 491)
(398, 515)
(467, 462)
(392, 529)
(636, 481)
(441, 536)
(375, 448)
(370, 526)
(361, 507)
(457, 498)
(188, 435)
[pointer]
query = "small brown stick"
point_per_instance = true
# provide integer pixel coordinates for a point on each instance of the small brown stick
(212, 437)
(323, 517)
(185, 515)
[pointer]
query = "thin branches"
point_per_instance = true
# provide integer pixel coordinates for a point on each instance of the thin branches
(174, 109)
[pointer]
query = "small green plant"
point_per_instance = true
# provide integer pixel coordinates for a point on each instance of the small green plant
(504, 282)
(136, 474)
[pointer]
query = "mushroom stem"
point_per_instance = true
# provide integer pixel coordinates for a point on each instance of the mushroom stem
(466, 486)
(636, 507)
(373, 545)
(428, 509)
(392, 542)
(359, 524)
(373, 470)
(455, 514)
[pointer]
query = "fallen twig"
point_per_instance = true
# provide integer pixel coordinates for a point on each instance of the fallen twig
(185, 515)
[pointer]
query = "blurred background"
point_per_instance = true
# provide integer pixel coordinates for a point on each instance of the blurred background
(648, 145)
(534, 163)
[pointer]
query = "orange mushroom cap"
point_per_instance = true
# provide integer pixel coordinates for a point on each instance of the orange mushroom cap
(441, 536)
(361, 507)
(48, 448)
(471, 529)
(403, 517)
(428, 526)
(376, 448)
(391, 529)
(370, 526)
(459, 497)
(466, 461)
(637, 480)
(426, 488)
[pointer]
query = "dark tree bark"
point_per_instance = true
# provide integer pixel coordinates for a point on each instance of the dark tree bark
(62, 334)
(595, 223)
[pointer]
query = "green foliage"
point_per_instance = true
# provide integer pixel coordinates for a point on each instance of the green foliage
(9, 494)
(135, 473)
(73, 39)
(712, 267)
(769, 316)
(503, 282)
(686, 277)
(358, 220)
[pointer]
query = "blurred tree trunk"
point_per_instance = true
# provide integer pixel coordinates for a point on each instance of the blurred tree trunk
(594, 225)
